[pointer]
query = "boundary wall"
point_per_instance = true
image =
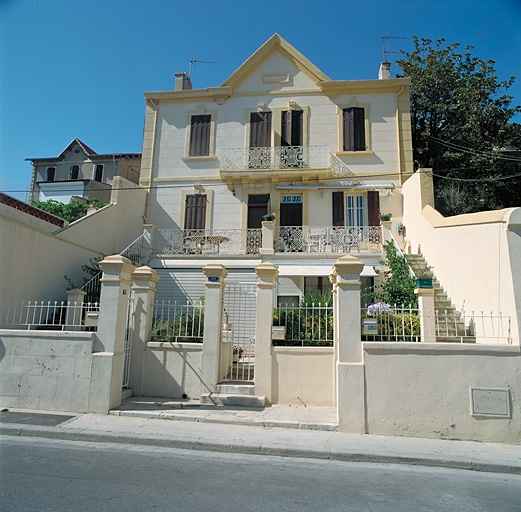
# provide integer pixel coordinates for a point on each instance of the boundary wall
(476, 257)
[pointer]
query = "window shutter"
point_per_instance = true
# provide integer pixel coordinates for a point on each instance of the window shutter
(373, 208)
(260, 129)
(195, 211)
(338, 208)
(354, 129)
(200, 135)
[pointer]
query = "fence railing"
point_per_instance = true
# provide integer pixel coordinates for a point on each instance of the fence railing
(175, 322)
(391, 324)
(49, 315)
(385, 323)
(138, 252)
(209, 241)
(473, 327)
(274, 158)
(328, 239)
(303, 325)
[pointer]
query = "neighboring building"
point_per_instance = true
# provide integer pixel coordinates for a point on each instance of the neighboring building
(278, 136)
(80, 171)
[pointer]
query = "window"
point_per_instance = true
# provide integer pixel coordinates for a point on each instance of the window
(200, 135)
(195, 211)
(50, 174)
(356, 210)
(291, 128)
(353, 123)
(74, 172)
(98, 172)
(317, 284)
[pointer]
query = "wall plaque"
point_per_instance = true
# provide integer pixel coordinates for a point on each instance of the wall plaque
(490, 402)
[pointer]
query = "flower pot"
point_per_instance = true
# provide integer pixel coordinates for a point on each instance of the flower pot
(424, 282)
(385, 217)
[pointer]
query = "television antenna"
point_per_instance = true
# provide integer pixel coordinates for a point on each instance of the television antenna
(194, 61)
(385, 50)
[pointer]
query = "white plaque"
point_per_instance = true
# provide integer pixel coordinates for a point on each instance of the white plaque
(490, 402)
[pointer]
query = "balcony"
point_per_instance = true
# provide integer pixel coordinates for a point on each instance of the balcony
(278, 158)
(319, 240)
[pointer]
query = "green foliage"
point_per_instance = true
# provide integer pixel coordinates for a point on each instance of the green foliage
(398, 285)
(187, 327)
(308, 324)
(69, 212)
(460, 117)
(393, 326)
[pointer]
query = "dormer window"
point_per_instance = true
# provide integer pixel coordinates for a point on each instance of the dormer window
(50, 174)
(74, 172)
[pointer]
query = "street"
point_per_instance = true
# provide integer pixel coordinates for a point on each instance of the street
(50, 475)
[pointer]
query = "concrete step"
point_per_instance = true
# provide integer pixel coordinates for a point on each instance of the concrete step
(232, 399)
(236, 389)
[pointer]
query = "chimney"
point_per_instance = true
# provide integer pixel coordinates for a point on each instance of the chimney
(385, 70)
(182, 82)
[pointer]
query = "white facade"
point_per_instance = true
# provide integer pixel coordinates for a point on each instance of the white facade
(296, 100)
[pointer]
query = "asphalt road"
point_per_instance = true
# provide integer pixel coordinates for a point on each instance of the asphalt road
(49, 475)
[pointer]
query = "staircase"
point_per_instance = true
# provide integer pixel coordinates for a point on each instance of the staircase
(454, 330)
(241, 395)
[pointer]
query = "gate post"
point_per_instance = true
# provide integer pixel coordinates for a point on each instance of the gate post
(351, 407)
(109, 350)
(213, 311)
(427, 314)
(267, 274)
(144, 289)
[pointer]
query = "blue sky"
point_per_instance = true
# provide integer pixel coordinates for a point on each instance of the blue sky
(79, 68)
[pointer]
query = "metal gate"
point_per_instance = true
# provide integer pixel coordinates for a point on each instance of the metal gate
(238, 334)
(128, 340)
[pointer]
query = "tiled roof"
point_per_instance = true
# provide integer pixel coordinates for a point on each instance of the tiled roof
(31, 210)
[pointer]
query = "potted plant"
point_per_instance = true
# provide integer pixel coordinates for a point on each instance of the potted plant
(424, 278)
(269, 217)
(385, 216)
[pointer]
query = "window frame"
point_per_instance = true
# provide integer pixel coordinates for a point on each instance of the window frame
(76, 170)
(47, 172)
(202, 111)
(95, 170)
(367, 130)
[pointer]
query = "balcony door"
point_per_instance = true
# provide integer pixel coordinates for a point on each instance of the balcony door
(291, 139)
(259, 156)
(291, 210)
(351, 210)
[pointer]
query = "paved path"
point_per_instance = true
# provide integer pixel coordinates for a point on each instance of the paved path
(240, 431)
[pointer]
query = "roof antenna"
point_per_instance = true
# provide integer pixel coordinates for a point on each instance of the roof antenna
(385, 50)
(194, 61)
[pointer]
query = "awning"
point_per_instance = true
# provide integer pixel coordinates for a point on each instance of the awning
(318, 270)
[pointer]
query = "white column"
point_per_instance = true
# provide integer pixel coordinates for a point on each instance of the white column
(351, 413)
(267, 274)
(213, 311)
(144, 289)
(427, 314)
(268, 228)
(108, 357)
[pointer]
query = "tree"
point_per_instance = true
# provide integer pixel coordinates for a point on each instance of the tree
(397, 287)
(461, 120)
(68, 211)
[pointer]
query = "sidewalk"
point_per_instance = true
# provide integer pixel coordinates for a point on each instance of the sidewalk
(295, 431)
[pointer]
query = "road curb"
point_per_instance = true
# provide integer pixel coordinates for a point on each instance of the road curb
(14, 430)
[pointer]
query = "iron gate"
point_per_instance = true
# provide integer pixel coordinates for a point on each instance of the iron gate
(128, 340)
(238, 334)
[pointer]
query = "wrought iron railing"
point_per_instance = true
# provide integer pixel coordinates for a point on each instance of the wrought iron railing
(210, 241)
(306, 324)
(49, 315)
(138, 252)
(328, 239)
(380, 322)
(175, 322)
(275, 158)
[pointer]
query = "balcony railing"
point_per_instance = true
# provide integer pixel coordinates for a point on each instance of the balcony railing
(303, 239)
(328, 239)
(210, 241)
(275, 158)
